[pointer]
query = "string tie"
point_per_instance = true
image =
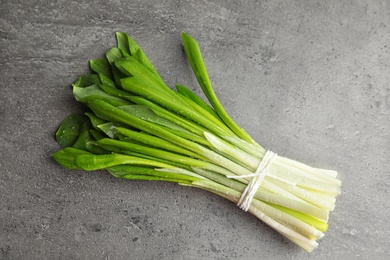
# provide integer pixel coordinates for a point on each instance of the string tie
(257, 178)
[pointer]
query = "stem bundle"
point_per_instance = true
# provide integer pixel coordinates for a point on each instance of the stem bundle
(138, 128)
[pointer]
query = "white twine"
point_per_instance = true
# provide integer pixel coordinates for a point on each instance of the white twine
(257, 179)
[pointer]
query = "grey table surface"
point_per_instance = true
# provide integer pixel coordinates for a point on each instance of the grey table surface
(307, 79)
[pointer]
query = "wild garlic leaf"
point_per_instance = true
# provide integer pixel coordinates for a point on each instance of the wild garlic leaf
(69, 130)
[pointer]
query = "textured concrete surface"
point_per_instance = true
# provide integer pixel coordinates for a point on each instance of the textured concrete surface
(307, 79)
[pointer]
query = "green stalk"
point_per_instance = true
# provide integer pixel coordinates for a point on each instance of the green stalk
(233, 152)
(91, 162)
(169, 156)
(124, 171)
(157, 142)
(150, 157)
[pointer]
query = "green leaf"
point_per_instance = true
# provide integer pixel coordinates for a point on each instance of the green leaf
(87, 80)
(84, 136)
(163, 112)
(110, 129)
(90, 162)
(66, 157)
(93, 92)
(85, 139)
(192, 96)
(123, 43)
(132, 67)
(112, 55)
(69, 130)
(147, 114)
(175, 103)
(101, 67)
(107, 81)
(196, 61)
(128, 45)
(95, 121)
(116, 92)
(108, 112)
(97, 135)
